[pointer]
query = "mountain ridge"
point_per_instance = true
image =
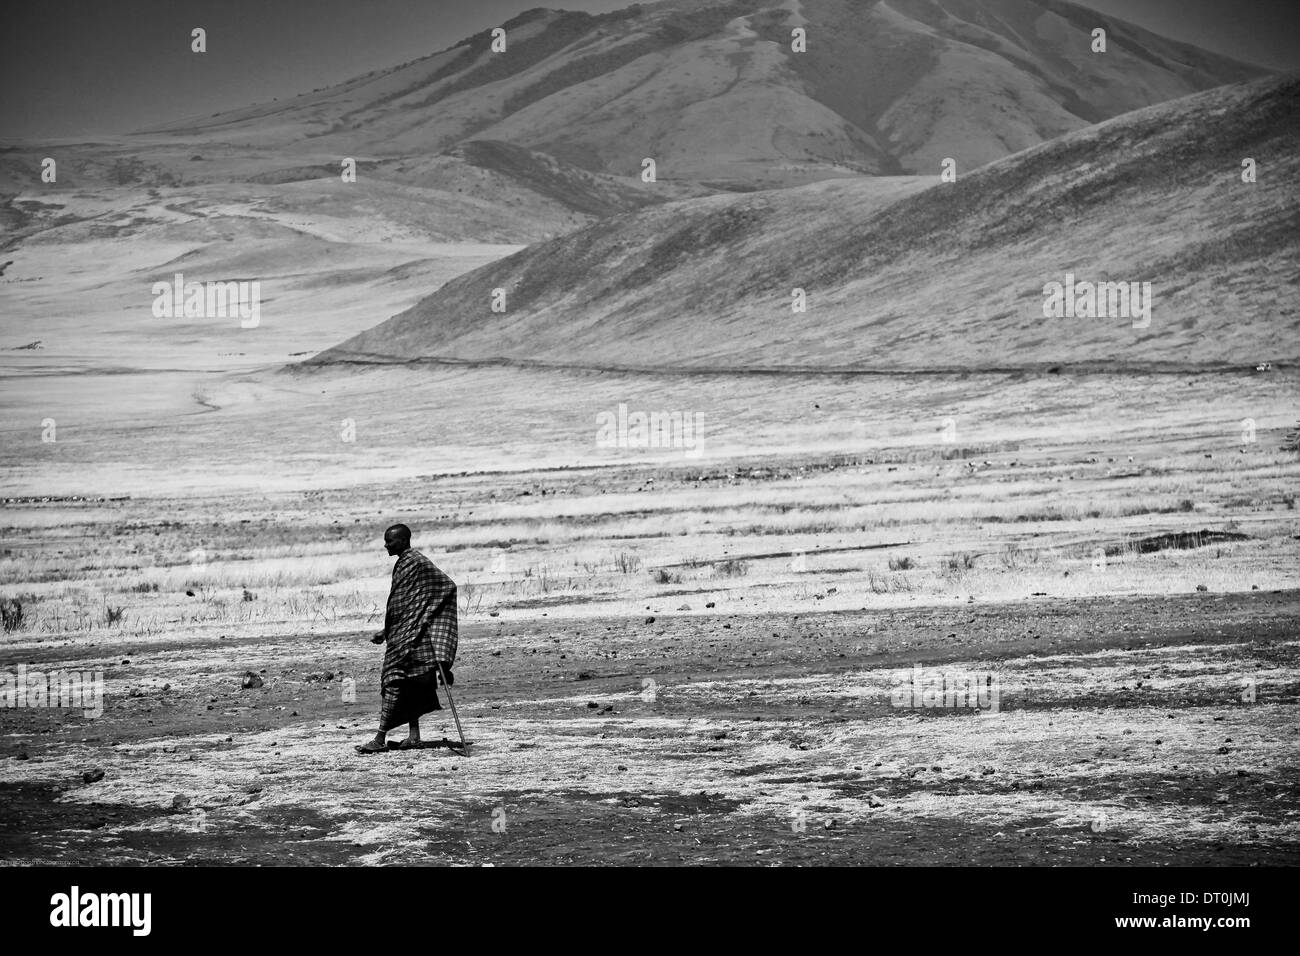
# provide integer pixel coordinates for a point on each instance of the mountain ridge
(908, 273)
(713, 92)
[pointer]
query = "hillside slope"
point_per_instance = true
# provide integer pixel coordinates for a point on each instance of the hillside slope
(920, 274)
(712, 90)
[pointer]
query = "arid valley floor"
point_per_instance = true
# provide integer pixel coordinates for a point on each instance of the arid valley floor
(669, 658)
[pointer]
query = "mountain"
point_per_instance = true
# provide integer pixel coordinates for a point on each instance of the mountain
(712, 90)
(917, 273)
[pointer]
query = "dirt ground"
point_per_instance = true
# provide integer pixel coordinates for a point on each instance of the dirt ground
(1121, 737)
(665, 657)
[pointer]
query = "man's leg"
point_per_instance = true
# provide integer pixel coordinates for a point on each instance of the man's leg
(413, 731)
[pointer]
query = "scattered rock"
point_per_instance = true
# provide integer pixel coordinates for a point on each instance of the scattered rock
(180, 802)
(92, 776)
(250, 681)
(1201, 587)
(650, 620)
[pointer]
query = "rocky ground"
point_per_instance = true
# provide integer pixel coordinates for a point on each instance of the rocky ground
(1141, 730)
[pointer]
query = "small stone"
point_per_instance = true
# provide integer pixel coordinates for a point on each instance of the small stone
(92, 776)
(180, 801)
(650, 620)
(250, 681)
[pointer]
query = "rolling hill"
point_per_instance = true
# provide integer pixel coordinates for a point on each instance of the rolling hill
(712, 90)
(917, 273)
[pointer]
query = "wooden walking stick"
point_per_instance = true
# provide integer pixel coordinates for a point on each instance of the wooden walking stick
(464, 747)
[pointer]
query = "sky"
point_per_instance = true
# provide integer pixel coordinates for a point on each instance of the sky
(80, 68)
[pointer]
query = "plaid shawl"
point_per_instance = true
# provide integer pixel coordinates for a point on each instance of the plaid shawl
(420, 624)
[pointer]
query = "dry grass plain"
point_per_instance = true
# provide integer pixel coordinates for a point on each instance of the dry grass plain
(668, 655)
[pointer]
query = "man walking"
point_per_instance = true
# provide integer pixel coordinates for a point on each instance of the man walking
(420, 629)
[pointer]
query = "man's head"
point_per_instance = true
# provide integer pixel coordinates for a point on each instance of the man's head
(397, 539)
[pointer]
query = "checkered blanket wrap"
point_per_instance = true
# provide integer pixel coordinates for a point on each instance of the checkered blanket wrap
(419, 630)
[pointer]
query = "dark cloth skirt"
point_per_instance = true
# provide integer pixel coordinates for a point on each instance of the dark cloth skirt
(408, 699)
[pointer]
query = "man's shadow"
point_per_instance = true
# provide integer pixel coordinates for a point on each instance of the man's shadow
(452, 745)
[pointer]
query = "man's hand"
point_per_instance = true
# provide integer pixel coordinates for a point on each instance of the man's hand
(378, 638)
